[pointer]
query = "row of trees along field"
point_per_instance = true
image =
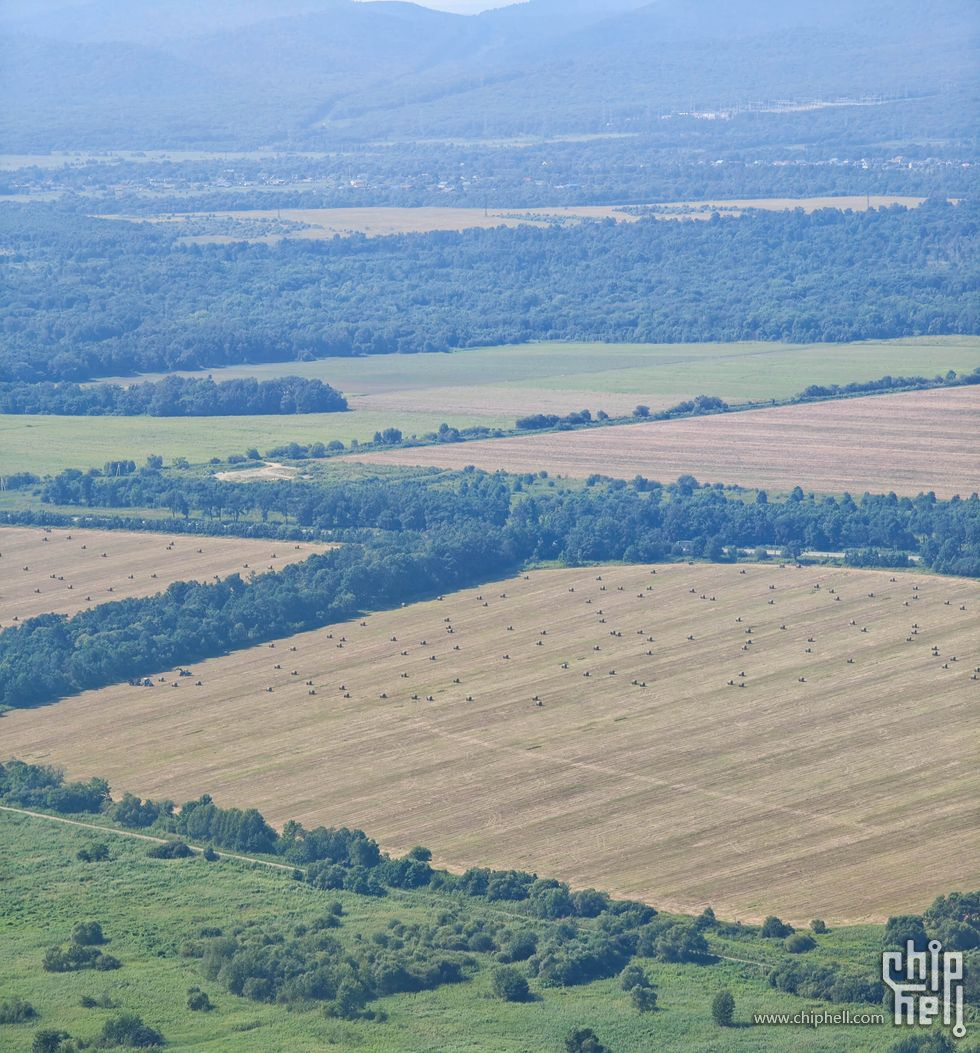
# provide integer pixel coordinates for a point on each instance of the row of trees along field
(612, 519)
(178, 396)
(433, 533)
(548, 933)
(90, 297)
(174, 397)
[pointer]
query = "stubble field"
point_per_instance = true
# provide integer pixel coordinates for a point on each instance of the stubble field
(380, 221)
(63, 571)
(906, 443)
(838, 782)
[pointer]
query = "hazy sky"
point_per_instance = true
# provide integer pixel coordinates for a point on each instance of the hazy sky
(464, 7)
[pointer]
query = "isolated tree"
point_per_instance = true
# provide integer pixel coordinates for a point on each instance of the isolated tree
(128, 1029)
(723, 1008)
(644, 999)
(47, 1040)
(88, 934)
(16, 1011)
(774, 928)
(198, 1001)
(584, 1040)
(97, 853)
(509, 984)
(633, 976)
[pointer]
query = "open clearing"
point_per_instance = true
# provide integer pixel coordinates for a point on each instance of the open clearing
(552, 377)
(906, 443)
(483, 386)
(379, 221)
(841, 779)
(41, 444)
(63, 571)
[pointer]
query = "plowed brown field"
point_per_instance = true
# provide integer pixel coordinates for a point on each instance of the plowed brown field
(840, 781)
(908, 443)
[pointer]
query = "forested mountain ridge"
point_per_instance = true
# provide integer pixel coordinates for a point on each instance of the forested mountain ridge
(314, 72)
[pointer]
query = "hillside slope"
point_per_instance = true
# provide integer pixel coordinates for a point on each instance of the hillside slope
(318, 72)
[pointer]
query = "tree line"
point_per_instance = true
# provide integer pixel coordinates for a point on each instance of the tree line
(698, 406)
(425, 535)
(88, 297)
(641, 520)
(174, 396)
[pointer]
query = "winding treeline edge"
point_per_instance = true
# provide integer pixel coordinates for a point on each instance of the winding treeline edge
(410, 539)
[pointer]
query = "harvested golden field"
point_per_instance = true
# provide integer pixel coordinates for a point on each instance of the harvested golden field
(761, 738)
(908, 443)
(382, 220)
(64, 571)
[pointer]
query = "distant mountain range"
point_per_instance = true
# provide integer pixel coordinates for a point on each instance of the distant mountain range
(311, 73)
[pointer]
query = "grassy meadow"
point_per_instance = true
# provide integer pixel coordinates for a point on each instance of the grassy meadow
(43, 444)
(483, 386)
(149, 908)
(581, 373)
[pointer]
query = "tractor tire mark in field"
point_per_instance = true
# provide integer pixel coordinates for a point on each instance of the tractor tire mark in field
(650, 780)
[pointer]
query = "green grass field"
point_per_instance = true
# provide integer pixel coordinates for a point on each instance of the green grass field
(149, 908)
(489, 386)
(42, 444)
(589, 371)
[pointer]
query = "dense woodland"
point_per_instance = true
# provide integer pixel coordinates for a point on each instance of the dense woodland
(87, 297)
(174, 397)
(411, 539)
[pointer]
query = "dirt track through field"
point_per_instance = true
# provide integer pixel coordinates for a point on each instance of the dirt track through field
(839, 781)
(907, 443)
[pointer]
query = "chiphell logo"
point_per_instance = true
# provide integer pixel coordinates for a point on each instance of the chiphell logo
(917, 977)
